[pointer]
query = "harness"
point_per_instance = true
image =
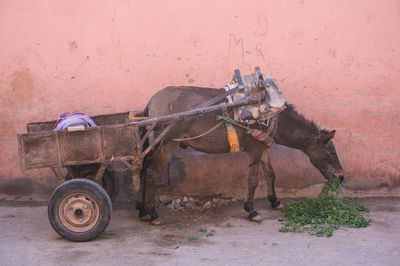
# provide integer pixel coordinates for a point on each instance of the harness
(262, 91)
(263, 112)
(264, 137)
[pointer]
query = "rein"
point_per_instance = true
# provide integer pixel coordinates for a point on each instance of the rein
(234, 122)
(201, 135)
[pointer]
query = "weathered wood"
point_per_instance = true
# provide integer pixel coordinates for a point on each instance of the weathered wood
(158, 139)
(148, 132)
(99, 174)
(196, 111)
(93, 145)
(39, 149)
(99, 120)
(57, 174)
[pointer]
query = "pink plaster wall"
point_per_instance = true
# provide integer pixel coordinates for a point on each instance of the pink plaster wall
(337, 61)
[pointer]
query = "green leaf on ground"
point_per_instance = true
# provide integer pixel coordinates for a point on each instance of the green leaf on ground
(323, 215)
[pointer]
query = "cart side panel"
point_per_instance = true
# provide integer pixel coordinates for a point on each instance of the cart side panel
(111, 119)
(40, 126)
(99, 120)
(39, 150)
(81, 147)
(120, 141)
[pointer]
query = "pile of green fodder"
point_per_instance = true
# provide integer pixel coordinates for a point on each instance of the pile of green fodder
(322, 215)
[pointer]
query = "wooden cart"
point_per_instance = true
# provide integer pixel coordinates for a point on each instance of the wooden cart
(80, 209)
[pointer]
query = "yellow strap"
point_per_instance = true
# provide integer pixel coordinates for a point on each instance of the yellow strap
(232, 138)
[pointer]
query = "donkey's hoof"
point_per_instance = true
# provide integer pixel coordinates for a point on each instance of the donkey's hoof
(157, 222)
(145, 217)
(276, 204)
(279, 207)
(257, 219)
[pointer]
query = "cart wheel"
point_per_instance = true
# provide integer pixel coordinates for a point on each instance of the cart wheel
(79, 210)
(110, 181)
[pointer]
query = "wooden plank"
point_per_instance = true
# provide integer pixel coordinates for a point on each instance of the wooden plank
(99, 120)
(119, 141)
(81, 147)
(38, 150)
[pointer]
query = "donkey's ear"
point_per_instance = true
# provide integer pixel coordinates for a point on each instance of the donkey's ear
(329, 136)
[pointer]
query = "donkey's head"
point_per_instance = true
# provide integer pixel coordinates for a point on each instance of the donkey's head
(323, 156)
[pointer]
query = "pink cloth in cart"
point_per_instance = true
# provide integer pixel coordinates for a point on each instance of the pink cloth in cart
(73, 119)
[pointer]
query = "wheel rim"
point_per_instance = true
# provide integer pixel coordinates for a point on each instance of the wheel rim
(79, 212)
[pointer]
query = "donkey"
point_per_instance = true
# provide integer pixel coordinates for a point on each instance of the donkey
(291, 129)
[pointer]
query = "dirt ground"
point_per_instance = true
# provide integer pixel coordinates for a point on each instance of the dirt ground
(220, 236)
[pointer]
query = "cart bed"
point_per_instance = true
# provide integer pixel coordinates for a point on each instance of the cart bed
(112, 139)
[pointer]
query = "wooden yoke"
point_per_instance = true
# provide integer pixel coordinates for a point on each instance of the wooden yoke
(233, 140)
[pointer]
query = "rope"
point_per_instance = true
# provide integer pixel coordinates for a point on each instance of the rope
(234, 122)
(201, 135)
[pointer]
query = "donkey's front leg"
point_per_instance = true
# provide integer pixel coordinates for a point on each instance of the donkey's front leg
(252, 183)
(269, 175)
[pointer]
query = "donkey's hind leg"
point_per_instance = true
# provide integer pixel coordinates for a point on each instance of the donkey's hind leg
(140, 199)
(270, 178)
(152, 165)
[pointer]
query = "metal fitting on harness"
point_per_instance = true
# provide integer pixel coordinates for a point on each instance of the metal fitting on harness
(263, 93)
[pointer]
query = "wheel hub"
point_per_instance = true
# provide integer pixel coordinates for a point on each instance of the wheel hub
(79, 212)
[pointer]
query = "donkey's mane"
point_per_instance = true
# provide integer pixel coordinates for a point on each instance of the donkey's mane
(300, 120)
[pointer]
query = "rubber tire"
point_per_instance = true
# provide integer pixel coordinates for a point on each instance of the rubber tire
(110, 182)
(98, 194)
